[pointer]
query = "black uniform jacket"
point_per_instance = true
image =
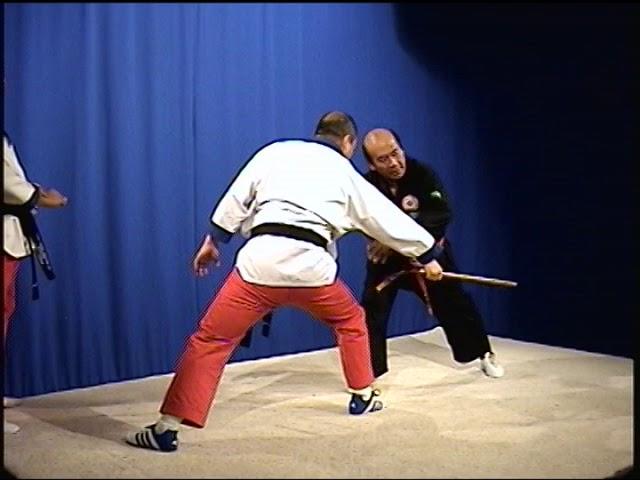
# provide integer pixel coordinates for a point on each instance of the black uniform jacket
(420, 194)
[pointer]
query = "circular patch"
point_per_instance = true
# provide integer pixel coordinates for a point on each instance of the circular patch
(410, 203)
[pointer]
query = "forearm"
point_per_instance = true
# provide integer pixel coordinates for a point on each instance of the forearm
(404, 237)
(376, 216)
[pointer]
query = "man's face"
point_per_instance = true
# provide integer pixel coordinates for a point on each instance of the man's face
(387, 158)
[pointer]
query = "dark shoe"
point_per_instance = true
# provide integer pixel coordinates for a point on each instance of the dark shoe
(148, 438)
(359, 405)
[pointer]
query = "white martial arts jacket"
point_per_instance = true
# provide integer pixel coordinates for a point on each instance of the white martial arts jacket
(308, 184)
(17, 191)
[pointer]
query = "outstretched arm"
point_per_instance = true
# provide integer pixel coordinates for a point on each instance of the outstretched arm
(235, 206)
(20, 192)
(375, 215)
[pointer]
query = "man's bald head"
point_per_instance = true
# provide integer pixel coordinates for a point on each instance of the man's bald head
(375, 137)
(384, 154)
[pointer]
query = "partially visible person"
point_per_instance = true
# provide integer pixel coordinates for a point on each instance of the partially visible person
(296, 198)
(21, 237)
(417, 190)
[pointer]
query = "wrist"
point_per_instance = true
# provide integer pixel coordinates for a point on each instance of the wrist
(219, 234)
(431, 254)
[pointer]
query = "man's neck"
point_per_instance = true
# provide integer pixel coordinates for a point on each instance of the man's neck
(331, 142)
(392, 185)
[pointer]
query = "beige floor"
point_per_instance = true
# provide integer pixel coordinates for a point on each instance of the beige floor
(557, 413)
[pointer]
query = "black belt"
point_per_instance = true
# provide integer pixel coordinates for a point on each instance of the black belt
(38, 251)
(284, 230)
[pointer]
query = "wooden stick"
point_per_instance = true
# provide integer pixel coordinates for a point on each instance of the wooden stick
(462, 277)
(391, 278)
(491, 282)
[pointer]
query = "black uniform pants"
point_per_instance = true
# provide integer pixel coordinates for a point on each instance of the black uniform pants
(453, 308)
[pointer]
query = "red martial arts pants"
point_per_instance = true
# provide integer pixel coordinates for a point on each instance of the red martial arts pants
(10, 270)
(237, 307)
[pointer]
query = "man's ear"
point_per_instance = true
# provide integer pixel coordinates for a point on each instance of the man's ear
(350, 141)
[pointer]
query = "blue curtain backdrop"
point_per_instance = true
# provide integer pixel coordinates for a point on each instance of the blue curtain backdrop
(142, 114)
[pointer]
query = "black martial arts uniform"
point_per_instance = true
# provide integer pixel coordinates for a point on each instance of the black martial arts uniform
(420, 194)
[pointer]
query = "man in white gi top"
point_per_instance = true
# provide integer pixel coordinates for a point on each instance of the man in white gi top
(296, 197)
(20, 237)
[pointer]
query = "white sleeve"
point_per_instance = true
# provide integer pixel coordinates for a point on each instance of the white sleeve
(238, 202)
(17, 189)
(375, 215)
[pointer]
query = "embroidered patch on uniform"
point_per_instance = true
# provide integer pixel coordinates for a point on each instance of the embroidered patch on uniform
(410, 203)
(435, 194)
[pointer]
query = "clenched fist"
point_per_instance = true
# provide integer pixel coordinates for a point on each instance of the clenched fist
(433, 270)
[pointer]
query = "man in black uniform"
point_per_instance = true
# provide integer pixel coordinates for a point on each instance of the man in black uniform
(416, 189)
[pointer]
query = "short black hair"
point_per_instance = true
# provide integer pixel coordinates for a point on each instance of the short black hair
(336, 124)
(365, 152)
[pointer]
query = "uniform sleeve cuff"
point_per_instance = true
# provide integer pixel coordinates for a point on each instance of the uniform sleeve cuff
(431, 254)
(33, 199)
(219, 234)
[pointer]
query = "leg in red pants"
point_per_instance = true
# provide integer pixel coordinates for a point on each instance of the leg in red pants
(335, 306)
(237, 307)
(10, 270)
